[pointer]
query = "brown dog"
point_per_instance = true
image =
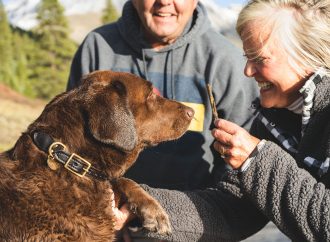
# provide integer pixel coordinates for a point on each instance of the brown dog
(61, 191)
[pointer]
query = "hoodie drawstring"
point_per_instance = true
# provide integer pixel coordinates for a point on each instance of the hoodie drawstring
(171, 82)
(145, 65)
(172, 74)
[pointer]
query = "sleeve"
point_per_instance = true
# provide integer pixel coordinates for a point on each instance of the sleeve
(287, 195)
(220, 214)
(83, 62)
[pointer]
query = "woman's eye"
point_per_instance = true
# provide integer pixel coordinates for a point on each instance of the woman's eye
(257, 60)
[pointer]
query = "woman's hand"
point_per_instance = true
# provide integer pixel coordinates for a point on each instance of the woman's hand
(122, 215)
(233, 143)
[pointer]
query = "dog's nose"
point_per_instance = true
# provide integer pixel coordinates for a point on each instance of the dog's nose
(190, 112)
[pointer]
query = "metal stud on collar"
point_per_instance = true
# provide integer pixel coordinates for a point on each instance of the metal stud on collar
(51, 162)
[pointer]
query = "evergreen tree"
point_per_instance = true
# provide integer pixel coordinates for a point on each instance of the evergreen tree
(56, 50)
(110, 13)
(6, 65)
(26, 58)
(20, 65)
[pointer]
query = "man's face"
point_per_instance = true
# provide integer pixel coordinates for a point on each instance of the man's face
(164, 20)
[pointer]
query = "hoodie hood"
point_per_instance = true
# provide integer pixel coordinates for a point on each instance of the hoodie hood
(130, 28)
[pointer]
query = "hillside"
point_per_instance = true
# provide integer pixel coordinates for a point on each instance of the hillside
(81, 24)
(17, 112)
(85, 15)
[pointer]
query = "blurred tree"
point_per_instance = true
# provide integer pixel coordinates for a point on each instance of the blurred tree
(52, 61)
(110, 13)
(6, 65)
(25, 46)
(20, 68)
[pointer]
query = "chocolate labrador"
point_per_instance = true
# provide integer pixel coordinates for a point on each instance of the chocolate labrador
(57, 182)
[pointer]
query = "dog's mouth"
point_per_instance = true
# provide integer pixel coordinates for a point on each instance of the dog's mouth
(179, 129)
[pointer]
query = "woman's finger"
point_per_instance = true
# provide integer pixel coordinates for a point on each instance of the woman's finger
(222, 136)
(227, 126)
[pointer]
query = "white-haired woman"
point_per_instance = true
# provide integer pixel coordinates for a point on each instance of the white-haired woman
(281, 172)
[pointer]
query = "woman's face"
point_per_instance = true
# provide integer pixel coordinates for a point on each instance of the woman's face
(164, 20)
(278, 81)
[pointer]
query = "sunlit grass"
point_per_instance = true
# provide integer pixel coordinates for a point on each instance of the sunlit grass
(15, 118)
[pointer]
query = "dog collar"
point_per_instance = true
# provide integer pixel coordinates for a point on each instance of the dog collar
(72, 162)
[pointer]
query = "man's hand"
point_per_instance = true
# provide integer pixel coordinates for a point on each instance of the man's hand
(233, 143)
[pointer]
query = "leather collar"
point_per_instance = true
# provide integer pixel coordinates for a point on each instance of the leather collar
(72, 162)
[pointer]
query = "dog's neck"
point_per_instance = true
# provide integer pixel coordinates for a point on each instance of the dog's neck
(112, 164)
(58, 156)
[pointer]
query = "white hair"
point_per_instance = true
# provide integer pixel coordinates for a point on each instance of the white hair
(300, 27)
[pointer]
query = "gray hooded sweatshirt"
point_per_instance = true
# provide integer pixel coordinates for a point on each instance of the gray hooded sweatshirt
(179, 71)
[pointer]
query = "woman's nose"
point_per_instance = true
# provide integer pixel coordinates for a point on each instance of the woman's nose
(164, 2)
(249, 69)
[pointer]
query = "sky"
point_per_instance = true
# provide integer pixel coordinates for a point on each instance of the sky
(225, 3)
(221, 2)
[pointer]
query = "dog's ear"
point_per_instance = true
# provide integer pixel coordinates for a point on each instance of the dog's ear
(110, 119)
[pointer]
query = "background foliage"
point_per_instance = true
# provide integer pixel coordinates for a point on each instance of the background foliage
(109, 13)
(36, 63)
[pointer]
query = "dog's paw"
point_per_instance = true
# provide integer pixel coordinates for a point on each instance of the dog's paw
(149, 211)
(154, 218)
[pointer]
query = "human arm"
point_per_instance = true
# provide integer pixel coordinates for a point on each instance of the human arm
(95, 53)
(82, 62)
(75, 70)
(287, 194)
(220, 214)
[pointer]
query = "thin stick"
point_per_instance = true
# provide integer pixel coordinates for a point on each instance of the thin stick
(214, 109)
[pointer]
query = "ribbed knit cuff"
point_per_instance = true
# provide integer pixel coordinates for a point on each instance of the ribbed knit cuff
(254, 153)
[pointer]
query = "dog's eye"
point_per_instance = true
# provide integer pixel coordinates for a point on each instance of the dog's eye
(119, 86)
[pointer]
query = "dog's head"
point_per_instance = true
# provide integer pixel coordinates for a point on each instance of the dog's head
(124, 111)
(112, 116)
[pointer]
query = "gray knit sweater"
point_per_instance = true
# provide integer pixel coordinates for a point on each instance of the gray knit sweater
(274, 188)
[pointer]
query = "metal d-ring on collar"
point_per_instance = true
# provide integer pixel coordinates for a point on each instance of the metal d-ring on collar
(72, 162)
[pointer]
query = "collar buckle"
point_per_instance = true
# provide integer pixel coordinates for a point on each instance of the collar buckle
(58, 154)
(75, 163)
(71, 163)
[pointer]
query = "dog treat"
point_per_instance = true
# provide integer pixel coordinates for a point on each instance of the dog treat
(214, 109)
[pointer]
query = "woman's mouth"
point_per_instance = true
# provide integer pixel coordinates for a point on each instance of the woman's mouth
(265, 85)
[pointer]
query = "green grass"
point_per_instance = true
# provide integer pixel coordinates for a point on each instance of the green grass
(15, 116)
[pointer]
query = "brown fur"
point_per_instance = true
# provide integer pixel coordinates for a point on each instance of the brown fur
(108, 120)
